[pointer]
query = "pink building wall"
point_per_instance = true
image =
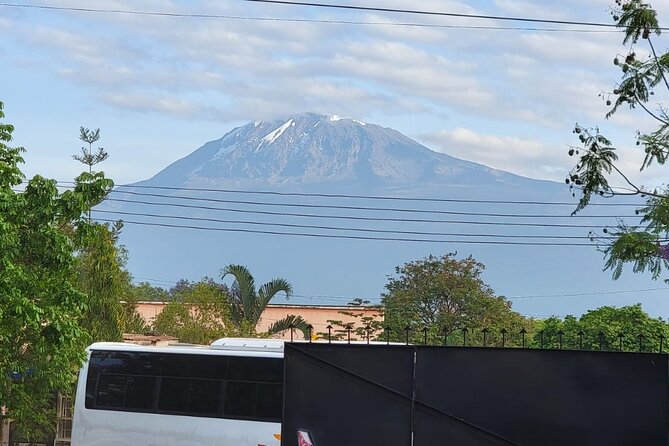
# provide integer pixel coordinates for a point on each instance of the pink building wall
(316, 315)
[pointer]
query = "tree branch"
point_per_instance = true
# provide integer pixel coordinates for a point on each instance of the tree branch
(657, 61)
(638, 101)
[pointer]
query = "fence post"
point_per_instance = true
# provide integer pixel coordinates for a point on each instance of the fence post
(424, 335)
(387, 329)
(310, 329)
(329, 327)
(464, 336)
(348, 332)
(580, 339)
(445, 336)
(485, 336)
(367, 330)
(503, 331)
(560, 334)
(407, 329)
(620, 339)
(523, 332)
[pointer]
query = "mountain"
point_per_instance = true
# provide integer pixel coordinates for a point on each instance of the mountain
(241, 195)
(319, 151)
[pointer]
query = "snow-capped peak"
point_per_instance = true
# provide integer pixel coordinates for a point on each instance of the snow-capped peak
(275, 134)
(336, 118)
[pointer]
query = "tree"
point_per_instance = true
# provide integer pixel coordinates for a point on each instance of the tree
(446, 295)
(361, 325)
(249, 304)
(104, 279)
(42, 340)
(604, 328)
(199, 315)
(101, 263)
(643, 79)
(145, 292)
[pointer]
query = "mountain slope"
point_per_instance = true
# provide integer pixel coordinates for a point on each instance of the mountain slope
(342, 247)
(318, 150)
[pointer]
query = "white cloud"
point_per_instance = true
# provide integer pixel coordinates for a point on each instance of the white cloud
(527, 157)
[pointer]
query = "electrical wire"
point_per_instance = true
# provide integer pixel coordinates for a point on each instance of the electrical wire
(365, 208)
(363, 197)
(356, 218)
(339, 228)
(347, 237)
(293, 20)
(435, 13)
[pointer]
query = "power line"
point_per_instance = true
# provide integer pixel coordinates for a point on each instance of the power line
(535, 296)
(347, 237)
(353, 217)
(600, 293)
(293, 20)
(364, 208)
(436, 13)
(339, 228)
(364, 197)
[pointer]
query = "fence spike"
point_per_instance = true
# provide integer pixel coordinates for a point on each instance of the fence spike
(464, 336)
(580, 339)
(601, 340)
(387, 330)
(367, 330)
(640, 336)
(523, 332)
(620, 339)
(329, 327)
(407, 329)
(560, 335)
(424, 335)
(310, 329)
(348, 332)
(485, 336)
(503, 332)
(445, 330)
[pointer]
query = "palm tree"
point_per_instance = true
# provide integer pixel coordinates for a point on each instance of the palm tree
(249, 304)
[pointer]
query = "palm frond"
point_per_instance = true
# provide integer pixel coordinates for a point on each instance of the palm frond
(267, 292)
(243, 291)
(288, 322)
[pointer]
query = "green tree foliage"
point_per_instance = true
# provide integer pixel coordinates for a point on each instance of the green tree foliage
(145, 292)
(42, 341)
(103, 277)
(604, 328)
(642, 86)
(446, 294)
(101, 263)
(199, 315)
(364, 326)
(248, 303)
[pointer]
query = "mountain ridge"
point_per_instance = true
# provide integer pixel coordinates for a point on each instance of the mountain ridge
(310, 148)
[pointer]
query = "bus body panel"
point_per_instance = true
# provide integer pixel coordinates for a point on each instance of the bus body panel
(98, 427)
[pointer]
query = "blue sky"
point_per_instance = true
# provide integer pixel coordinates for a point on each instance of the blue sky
(159, 87)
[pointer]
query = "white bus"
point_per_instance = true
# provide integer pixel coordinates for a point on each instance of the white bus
(227, 394)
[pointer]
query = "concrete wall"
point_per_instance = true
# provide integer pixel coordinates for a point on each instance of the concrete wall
(316, 315)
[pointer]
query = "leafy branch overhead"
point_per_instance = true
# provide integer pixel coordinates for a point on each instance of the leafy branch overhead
(642, 86)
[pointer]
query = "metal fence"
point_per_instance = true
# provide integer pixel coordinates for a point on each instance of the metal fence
(502, 338)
